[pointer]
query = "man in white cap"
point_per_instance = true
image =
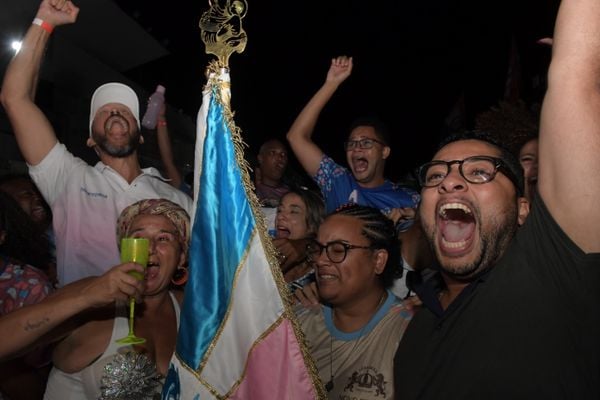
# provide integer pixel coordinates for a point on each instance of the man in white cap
(85, 200)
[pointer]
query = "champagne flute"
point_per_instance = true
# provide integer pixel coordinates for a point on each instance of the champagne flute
(134, 250)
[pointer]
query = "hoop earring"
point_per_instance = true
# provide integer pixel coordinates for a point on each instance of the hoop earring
(180, 276)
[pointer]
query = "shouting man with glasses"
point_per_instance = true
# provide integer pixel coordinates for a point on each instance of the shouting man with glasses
(367, 148)
(517, 313)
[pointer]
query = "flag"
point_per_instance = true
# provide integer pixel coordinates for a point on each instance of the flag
(238, 336)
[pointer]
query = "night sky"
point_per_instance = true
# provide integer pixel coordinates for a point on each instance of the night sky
(412, 62)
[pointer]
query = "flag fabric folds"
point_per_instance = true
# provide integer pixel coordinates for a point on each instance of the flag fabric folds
(238, 336)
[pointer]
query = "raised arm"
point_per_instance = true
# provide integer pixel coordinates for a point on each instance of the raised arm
(33, 131)
(166, 151)
(569, 167)
(300, 134)
(23, 327)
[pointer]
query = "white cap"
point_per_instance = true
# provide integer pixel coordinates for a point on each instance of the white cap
(115, 92)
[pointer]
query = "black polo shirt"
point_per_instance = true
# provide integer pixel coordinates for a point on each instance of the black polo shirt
(527, 329)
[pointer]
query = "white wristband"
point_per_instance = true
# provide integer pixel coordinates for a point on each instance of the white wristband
(43, 24)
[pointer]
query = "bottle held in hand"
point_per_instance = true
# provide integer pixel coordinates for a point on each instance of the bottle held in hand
(155, 103)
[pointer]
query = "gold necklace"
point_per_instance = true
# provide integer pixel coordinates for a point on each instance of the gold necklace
(329, 385)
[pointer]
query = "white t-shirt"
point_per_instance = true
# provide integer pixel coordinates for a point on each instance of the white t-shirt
(400, 289)
(86, 202)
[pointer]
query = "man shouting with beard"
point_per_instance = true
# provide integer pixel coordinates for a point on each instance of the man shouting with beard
(517, 315)
(85, 200)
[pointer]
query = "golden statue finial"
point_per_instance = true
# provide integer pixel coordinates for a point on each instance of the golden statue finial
(221, 29)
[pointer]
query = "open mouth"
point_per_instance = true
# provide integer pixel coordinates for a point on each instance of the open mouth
(116, 121)
(323, 277)
(283, 232)
(456, 225)
(152, 270)
(38, 212)
(360, 164)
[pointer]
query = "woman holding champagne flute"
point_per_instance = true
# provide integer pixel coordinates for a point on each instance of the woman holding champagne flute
(89, 363)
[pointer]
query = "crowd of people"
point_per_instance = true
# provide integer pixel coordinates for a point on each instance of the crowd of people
(483, 284)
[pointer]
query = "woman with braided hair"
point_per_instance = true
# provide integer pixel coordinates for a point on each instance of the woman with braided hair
(352, 336)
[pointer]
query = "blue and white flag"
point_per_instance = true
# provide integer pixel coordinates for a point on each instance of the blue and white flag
(238, 336)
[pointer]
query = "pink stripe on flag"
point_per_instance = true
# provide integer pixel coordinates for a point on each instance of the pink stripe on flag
(276, 369)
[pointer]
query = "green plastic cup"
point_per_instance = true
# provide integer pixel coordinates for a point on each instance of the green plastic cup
(135, 250)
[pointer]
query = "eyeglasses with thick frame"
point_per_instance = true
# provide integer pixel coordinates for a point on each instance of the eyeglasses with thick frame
(364, 144)
(336, 251)
(475, 169)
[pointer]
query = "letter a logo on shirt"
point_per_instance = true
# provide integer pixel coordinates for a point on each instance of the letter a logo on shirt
(353, 198)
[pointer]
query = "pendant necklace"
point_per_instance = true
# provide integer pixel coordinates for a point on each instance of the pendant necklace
(329, 385)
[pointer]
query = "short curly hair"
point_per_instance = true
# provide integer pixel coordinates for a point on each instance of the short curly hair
(381, 129)
(511, 160)
(512, 123)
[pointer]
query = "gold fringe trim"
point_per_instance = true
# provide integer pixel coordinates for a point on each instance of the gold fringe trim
(220, 90)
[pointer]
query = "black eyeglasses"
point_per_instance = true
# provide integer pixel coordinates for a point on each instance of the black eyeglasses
(476, 169)
(361, 144)
(336, 251)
